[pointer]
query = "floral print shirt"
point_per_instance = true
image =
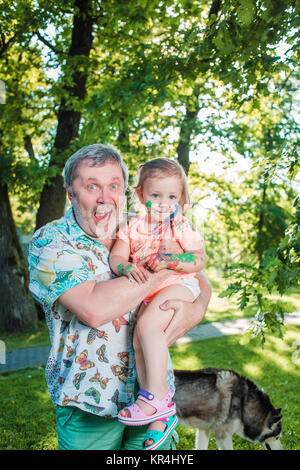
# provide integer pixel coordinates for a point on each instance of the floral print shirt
(91, 368)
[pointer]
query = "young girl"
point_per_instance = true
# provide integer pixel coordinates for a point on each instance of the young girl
(161, 239)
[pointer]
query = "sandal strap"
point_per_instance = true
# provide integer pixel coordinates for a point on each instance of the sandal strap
(159, 437)
(144, 393)
(159, 405)
(153, 435)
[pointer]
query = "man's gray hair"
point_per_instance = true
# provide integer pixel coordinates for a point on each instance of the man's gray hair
(99, 154)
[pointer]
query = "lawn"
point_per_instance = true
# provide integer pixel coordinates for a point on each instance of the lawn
(38, 335)
(27, 418)
(218, 310)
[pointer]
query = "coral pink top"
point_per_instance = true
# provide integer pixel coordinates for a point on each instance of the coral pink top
(143, 243)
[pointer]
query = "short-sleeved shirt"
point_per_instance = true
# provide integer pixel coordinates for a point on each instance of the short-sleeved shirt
(91, 368)
(143, 243)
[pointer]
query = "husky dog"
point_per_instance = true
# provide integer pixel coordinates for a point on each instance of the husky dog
(223, 402)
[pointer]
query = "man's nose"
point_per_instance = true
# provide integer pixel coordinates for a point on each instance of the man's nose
(104, 196)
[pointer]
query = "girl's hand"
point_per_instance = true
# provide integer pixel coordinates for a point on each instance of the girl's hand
(152, 263)
(133, 272)
(158, 261)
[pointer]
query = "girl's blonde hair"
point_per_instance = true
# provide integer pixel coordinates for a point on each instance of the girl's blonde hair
(160, 168)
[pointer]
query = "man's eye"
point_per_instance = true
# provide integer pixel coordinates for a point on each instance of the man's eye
(114, 186)
(92, 187)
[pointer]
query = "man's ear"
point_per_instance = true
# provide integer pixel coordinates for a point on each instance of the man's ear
(69, 194)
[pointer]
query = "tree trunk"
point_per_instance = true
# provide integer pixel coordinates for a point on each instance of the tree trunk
(186, 130)
(53, 196)
(17, 308)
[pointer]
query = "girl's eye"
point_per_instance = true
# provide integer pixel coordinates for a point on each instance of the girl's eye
(155, 195)
(173, 197)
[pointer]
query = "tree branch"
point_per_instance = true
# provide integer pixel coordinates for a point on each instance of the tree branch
(215, 8)
(29, 147)
(4, 45)
(48, 44)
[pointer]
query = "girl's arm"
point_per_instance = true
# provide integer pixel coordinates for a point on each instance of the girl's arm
(191, 261)
(119, 256)
(120, 265)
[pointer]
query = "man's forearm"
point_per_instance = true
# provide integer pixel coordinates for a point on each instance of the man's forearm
(97, 303)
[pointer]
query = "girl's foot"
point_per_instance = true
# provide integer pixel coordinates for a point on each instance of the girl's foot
(154, 439)
(155, 426)
(147, 409)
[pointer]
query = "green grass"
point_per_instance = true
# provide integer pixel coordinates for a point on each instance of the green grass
(33, 337)
(27, 419)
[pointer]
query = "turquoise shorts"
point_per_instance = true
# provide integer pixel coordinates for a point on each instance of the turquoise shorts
(79, 430)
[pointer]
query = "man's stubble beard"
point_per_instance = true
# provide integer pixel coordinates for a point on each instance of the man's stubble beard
(103, 232)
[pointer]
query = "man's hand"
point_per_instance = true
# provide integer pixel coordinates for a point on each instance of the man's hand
(187, 314)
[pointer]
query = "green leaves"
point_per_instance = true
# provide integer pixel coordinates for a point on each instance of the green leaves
(245, 12)
(279, 271)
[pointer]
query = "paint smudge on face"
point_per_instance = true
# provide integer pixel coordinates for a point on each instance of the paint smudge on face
(148, 205)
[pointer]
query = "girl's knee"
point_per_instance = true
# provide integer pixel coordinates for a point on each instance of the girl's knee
(146, 322)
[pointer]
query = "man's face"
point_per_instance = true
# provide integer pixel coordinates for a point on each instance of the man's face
(97, 198)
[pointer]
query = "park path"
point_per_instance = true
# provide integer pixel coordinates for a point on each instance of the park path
(37, 356)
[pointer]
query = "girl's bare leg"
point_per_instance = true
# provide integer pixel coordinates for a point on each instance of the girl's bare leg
(138, 352)
(151, 349)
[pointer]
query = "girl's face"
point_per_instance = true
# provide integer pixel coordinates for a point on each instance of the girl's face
(161, 196)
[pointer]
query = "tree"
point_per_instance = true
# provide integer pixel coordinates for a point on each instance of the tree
(276, 268)
(183, 49)
(17, 309)
(75, 73)
(141, 75)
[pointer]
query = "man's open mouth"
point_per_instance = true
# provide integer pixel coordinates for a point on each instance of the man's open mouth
(102, 215)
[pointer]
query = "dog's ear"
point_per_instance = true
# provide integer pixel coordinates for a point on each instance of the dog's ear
(276, 417)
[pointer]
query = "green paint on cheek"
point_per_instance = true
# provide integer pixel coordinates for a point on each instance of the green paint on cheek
(149, 205)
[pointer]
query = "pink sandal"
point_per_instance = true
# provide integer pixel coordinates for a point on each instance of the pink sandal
(164, 408)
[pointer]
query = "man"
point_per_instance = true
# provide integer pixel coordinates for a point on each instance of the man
(90, 371)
